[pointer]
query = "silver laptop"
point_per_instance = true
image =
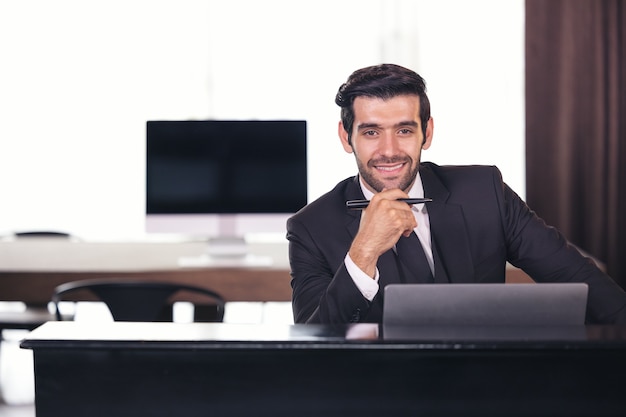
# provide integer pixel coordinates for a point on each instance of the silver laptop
(562, 304)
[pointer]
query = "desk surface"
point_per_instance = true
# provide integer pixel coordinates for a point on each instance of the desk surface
(221, 335)
(30, 268)
(66, 255)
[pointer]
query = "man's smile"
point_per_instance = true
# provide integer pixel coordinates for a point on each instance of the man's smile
(390, 168)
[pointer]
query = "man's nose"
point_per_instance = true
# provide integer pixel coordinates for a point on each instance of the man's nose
(388, 145)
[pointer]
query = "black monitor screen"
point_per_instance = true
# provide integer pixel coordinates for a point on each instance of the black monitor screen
(220, 166)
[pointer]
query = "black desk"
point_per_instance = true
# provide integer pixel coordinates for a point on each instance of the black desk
(205, 369)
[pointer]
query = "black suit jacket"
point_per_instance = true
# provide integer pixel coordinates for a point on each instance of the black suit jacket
(477, 224)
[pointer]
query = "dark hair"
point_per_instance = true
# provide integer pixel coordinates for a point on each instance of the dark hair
(381, 81)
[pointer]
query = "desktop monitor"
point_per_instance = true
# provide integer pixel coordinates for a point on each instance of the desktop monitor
(224, 179)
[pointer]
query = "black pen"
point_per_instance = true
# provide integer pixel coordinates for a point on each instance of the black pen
(361, 204)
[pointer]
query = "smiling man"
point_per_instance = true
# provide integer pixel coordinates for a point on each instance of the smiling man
(341, 259)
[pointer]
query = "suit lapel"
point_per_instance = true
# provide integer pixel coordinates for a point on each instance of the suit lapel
(451, 249)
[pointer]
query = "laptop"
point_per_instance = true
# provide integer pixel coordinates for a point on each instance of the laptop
(558, 304)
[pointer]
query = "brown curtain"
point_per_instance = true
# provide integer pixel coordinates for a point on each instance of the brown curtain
(576, 123)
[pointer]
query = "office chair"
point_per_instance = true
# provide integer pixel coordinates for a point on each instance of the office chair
(146, 301)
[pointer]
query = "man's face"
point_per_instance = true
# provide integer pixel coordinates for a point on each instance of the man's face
(387, 141)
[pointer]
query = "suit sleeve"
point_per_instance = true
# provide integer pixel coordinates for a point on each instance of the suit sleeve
(546, 255)
(321, 294)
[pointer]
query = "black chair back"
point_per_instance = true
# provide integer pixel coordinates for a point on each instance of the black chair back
(147, 301)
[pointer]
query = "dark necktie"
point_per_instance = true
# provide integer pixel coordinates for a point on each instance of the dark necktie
(411, 254)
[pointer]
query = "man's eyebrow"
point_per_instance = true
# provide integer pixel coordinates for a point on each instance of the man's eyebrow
(367, 126)
(411, 123)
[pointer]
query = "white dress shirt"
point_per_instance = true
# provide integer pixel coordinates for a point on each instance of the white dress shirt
(368, 286)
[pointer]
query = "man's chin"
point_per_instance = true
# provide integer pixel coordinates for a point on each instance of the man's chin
(387, 185)
(402, 183)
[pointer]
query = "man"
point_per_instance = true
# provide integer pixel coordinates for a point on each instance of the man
(341, 259)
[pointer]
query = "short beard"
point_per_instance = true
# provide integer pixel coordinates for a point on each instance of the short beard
(405, 182)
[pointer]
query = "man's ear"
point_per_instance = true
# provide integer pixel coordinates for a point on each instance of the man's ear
(429, 134)
(343, 136)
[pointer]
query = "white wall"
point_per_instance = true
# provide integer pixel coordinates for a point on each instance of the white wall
(79, 79)
(472, 56)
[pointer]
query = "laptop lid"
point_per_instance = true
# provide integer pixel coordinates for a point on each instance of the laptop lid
(561, 304)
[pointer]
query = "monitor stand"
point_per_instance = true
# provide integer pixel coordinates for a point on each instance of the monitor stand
(226, 250)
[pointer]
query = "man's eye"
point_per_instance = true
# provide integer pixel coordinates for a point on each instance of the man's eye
(405, 131)
(369, 133)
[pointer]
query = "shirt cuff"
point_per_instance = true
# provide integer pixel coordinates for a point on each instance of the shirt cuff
(365, 283)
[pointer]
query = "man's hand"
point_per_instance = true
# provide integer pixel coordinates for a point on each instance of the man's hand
(382, 223)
